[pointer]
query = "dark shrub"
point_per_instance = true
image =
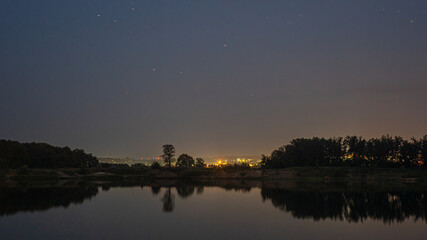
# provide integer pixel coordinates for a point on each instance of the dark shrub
(156, 165)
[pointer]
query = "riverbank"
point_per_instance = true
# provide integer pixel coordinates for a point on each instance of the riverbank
(306, 173)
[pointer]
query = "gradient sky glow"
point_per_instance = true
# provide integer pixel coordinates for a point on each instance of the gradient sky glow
(122, 78)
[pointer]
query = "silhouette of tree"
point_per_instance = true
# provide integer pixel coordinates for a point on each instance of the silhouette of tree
(356, 147)
(168, 154)
(185, 160)
(409, 151)
(383, 150)
(200, 162)
(156, 165)
(41, 155)
(278, 159)
(334, 151)
(386, 151)
(423, 145)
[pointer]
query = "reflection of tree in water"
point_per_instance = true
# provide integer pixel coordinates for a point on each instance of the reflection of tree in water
(238, 189)
(155, 189)
(14, 200)
(200, 189)
(185, 191)
(350, 206)
(168, 201)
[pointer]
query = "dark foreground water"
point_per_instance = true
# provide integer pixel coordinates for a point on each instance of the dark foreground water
(196, 211)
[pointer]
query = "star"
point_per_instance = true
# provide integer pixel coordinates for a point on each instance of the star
(225, 45)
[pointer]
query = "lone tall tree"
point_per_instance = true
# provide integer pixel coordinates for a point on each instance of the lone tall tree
(168, 153)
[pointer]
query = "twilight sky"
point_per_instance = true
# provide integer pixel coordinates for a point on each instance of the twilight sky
(122, 78)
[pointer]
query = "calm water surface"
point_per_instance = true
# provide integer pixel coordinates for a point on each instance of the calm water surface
(186, 211)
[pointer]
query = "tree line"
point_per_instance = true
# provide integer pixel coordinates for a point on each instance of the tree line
(353, 151)
(14, 154)
(184, 160)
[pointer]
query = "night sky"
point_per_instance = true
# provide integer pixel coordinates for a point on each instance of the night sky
(122, 78)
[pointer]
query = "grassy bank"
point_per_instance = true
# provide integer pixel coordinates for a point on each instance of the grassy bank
(306, 173)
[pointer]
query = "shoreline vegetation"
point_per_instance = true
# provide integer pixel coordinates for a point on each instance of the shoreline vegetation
(316, 159)
(308, 174)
